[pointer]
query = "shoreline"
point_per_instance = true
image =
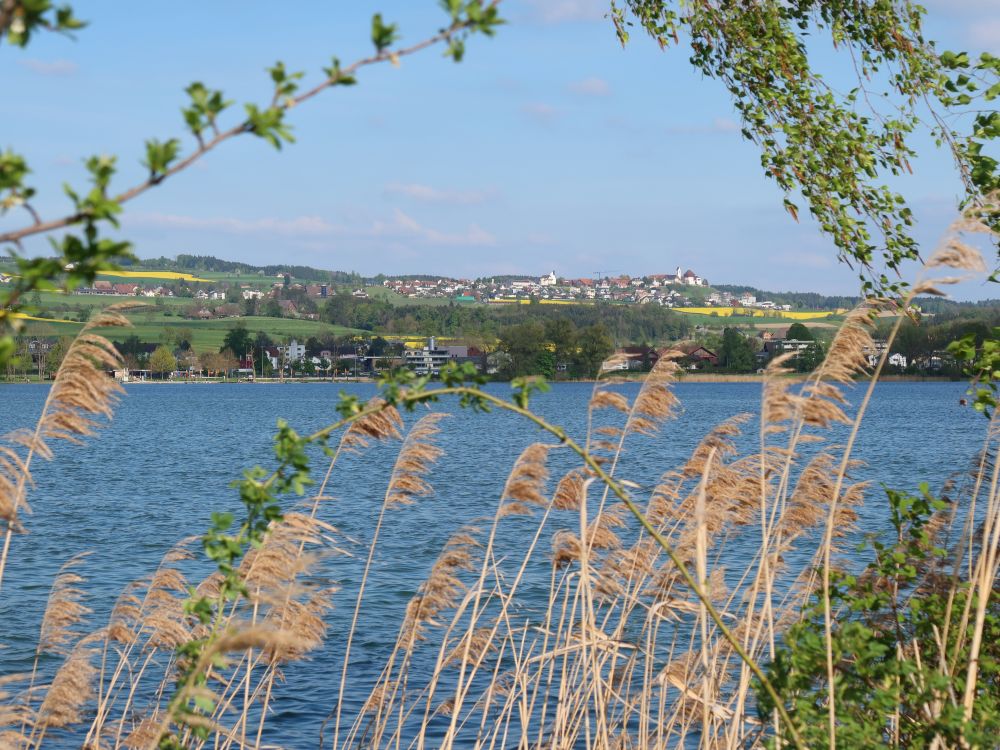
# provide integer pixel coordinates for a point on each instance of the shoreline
(798, 377)
(682, 378)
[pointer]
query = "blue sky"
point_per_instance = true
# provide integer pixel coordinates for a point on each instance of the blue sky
(549, 147)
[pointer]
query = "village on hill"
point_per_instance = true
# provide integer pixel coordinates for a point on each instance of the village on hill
(676, 290)
(667, 289)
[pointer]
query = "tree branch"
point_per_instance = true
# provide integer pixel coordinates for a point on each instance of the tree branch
(7, 8)
(40, 227)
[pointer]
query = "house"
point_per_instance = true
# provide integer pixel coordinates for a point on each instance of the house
(697, 357)
(126, 289)
(103, 287)
(775, 345)
(632, 358)
(273, 355)
(549, 280)
(874, 353)
(38, 348)
(615, 363)
(287, 307)
(252, 294)
(792, 345)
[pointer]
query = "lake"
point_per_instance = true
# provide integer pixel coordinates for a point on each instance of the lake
(165, 462)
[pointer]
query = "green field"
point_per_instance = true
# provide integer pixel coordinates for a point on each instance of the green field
(253, 279)
(208, 334)
(388, 295)
(56, 301)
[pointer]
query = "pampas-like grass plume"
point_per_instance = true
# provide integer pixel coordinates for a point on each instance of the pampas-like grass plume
(956, 254)
(525, 485)
(473, 647)
(847, 355)
(383, 424)
(13, 714)
(655, 402)
(64, 609)
(572, 489)
(14, 473)
(605, 399)
(81, 394)
(70, 690)
(414, 462)
(442, 588)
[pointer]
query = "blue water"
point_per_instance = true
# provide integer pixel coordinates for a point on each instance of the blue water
(154, 475)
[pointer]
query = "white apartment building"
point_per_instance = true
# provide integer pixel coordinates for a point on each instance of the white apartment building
(428, 360)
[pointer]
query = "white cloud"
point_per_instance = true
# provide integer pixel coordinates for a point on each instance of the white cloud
(49, 67)
(428, 194)
(540, 111)
(400, 226)
(591, 87)
(561, 11)
(986, 34)
(298, 226)
(975, 19)
(403, 223)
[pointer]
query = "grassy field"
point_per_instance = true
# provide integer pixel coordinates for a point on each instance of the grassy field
(395, 298)
(253, 279)
(58, 300)
(208, 334)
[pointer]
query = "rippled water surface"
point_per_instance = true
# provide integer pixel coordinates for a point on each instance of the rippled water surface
(154, 475)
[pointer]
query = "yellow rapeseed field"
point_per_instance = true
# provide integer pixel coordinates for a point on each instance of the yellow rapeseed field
(24, 316)
(166, 275)
(725, 312)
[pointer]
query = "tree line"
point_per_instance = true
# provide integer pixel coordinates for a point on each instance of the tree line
(623, 323)
(555, 348)
(188, 263)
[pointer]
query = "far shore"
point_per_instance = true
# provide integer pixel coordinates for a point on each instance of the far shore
(710, 377)
(683, 377)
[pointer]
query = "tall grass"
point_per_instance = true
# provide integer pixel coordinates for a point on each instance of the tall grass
(664, 607)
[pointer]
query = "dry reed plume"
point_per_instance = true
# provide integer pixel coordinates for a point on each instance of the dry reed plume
(81, 394)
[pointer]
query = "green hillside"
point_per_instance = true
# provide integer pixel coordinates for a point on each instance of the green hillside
(155, 326)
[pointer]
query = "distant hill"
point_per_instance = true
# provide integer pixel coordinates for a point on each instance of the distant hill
(798, 300)
(192, 263)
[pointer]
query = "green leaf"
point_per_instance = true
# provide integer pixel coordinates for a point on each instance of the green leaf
(383, 35)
